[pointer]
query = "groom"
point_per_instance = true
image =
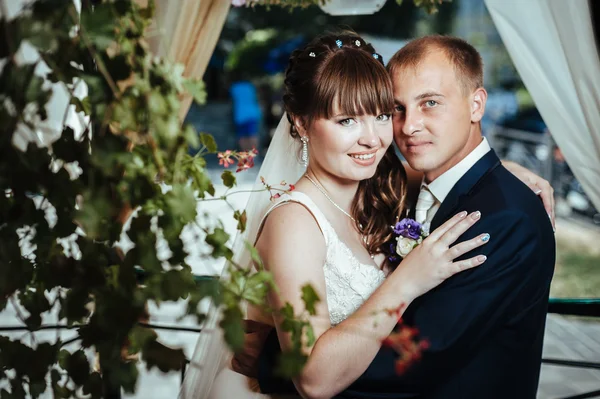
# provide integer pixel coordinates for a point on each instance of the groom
(485, 326)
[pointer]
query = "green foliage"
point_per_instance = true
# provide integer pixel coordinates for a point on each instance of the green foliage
(310, 298)
(431, 6)
(81, 189)
(64, 204)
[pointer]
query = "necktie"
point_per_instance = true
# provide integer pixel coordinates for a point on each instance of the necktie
(424, 204)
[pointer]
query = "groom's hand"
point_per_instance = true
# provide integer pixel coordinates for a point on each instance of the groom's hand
(539, 186)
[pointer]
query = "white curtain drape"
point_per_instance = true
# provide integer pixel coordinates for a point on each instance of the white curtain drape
(552, 45)
(186, 32)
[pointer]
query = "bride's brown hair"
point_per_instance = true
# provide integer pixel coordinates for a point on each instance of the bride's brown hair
(345, 71)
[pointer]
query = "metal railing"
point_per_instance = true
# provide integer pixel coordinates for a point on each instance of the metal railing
(562, 306)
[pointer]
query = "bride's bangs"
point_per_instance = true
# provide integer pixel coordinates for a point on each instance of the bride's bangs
(353, 83)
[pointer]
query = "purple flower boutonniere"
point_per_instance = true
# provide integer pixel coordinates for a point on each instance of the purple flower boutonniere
(409, 233)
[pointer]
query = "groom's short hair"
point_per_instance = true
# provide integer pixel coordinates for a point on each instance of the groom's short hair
(466, 60)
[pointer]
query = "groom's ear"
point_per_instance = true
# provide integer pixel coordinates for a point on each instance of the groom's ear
(478, 100)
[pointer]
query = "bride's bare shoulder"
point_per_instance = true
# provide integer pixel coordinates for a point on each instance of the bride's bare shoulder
(291, 216)
(292, 224)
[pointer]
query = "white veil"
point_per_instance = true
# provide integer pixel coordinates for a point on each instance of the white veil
(212, 354)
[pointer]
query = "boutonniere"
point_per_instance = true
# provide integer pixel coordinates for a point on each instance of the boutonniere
(409, 234)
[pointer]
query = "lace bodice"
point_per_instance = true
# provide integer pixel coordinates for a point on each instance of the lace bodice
(349, 282)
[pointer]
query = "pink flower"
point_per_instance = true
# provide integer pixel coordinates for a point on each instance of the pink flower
(244, 163)
(225, 158)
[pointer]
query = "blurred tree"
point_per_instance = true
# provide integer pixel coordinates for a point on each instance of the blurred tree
(277, 27)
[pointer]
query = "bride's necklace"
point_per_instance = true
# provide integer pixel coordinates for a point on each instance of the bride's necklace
(322, 190)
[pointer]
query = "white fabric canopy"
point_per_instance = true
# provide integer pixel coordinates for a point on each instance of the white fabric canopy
(552, 45)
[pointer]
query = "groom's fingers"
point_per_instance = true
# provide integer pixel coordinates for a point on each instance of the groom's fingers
(458, 229)
(440, 231)
(467, 246)
(546, 193)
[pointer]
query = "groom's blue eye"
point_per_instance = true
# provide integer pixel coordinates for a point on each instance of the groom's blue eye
(398, 108)
(431, 103)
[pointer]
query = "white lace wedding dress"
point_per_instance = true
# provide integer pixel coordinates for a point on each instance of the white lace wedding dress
(349, 284)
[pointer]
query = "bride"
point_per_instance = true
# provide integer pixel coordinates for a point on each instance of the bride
(331, 230)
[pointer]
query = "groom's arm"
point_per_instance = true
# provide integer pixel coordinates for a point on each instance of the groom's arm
(457, 317)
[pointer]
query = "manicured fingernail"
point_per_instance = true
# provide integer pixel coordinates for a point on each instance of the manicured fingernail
(462, 214)
(485, 238)
(481, 258)
(476, 215)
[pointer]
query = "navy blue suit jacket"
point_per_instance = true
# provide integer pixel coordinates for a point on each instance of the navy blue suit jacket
(486, 325)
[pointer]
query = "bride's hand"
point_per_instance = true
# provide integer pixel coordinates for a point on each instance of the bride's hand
(432, 262)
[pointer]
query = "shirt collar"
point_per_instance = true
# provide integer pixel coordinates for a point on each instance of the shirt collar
(441, 186)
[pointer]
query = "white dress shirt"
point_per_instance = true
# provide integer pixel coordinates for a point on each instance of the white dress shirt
(440, 187)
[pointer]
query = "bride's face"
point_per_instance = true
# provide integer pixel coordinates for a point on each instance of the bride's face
(349, 147)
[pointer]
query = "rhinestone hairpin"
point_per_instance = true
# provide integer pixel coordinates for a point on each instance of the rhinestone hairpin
(357, 43)
(339, 43)
(376, 56)
(312, 54)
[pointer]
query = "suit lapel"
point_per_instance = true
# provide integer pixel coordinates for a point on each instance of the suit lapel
(464, 186)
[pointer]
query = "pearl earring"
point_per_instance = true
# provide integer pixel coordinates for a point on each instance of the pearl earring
(304, 140)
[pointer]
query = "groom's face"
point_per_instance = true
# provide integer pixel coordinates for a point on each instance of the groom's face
(433, 117)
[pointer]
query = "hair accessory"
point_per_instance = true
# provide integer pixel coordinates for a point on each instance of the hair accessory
(312, 54)
(339, 43)
(376, 56)
(357, 43)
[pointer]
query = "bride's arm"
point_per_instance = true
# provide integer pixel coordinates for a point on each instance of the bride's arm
(293, 249)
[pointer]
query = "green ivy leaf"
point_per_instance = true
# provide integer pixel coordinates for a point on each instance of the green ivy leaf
(9, 44)
(93, 386)
(257, 286)
(255, 256)
(177, 284)
(218, 239)
(127, 376)
(38, 387)
(310, 335)
(67, 148)
(209, 142)
(310, 299)
(242, 219)
(201, 182)
(78, 367)
(228, 179)
(233, 328)
(82, 105)
(36, 303)
(209, 287)
(191, 136)
(98, 26)
(182, 203)
(290, 364)
(287, 311)
(164, 358)
(196, 88)
(63, 358)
